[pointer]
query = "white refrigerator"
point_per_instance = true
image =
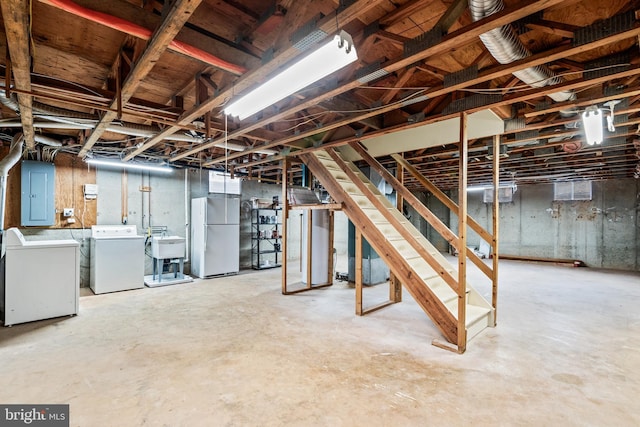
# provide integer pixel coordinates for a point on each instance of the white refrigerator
(215, 236)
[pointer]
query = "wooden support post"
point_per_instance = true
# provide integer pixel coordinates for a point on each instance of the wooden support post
(7, 73)
(119, 89)
(331, 234)
(496, 221)
(462, 232)
(358, 278)
(285, 223)
(395, 286)
(309, 246)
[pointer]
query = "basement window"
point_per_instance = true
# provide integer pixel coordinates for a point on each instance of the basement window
(505, 195)
(572, 190)
(220, 182)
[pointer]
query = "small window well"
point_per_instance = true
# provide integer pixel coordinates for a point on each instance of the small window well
(572, 190)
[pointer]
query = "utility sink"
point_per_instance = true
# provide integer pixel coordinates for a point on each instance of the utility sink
(168, 247)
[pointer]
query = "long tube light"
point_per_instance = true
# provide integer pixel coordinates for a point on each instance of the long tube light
(592, 123)
(128, 165)
(328, 58)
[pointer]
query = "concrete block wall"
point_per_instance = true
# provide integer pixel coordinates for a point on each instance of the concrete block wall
(603, 232)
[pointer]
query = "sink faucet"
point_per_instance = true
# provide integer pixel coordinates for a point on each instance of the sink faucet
(164, 233)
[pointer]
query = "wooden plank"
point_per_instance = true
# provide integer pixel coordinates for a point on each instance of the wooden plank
(285, 226)
(309, 247)
(71, 173)
(409, 237)
(15, 15)
(556, 28)
(322, 206)
(487, 75)
(403, 12)
(452, 14)
(495, 230)
(416, 204)
(395, 286)
(462, 232)
(327, 24)
(358, 278)
(568, 261)
(171, 24)
(432, 306)
(330, 254)
(131, 12)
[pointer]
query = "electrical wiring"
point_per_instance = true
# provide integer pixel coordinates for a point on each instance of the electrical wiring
(364, 110)
(525, 87)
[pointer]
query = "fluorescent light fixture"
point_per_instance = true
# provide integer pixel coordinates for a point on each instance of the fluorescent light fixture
(592, 124)
(128, 165)
(478, 188)
(330, 57)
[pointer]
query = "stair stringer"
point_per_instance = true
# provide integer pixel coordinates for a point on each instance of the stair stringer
(431, 304)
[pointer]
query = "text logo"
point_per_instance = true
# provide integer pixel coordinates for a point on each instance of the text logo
(34, 415)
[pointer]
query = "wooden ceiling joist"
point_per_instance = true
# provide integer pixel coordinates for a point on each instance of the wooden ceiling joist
(327, 24)
(172, 23)
(16, 18)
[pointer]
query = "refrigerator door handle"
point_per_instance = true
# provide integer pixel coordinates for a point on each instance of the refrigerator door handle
(205, 236)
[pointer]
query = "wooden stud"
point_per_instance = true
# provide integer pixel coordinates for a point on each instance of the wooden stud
(285, 224)
(331, 235)
(16, 16)
(496, 223)
(395, 286)
(462, 233)
(7, 73)
(441, 196)
(171, 24)
(309, 247)
(442, 318)
(358, 278)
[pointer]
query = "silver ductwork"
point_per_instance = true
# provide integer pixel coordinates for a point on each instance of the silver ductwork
(69, 119)
(505, 46)
(15, 153)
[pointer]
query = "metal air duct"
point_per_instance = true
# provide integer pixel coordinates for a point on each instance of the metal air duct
(505, 46)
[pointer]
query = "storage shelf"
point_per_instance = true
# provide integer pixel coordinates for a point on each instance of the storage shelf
(263, 248)
(264, 267)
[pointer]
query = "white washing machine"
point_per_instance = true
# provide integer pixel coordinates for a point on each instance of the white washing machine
(41, 278)
(117, 258)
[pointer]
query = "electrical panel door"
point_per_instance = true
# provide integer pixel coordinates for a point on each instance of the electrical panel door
(37, 200)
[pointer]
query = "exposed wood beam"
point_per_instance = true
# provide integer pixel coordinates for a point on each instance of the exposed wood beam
(393, 38)
(451, 15)
(402, 80)
(15, 14)
(501, 70)
(327, 24)
(449, 43)
(403, 12)
(126, 10)
(555, 28)
(172, 23)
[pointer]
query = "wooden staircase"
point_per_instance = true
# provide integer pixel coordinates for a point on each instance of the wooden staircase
(416, 263)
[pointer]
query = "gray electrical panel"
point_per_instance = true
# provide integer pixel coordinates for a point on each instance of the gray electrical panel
(38, 196)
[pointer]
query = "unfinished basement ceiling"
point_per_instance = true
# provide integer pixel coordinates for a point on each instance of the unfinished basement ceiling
(420, 62)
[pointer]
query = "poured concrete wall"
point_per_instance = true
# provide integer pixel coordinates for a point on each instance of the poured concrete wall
(603, 232)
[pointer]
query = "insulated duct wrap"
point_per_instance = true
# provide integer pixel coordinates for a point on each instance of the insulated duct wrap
(505, 46)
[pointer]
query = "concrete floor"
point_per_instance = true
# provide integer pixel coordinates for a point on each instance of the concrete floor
(234, 352)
